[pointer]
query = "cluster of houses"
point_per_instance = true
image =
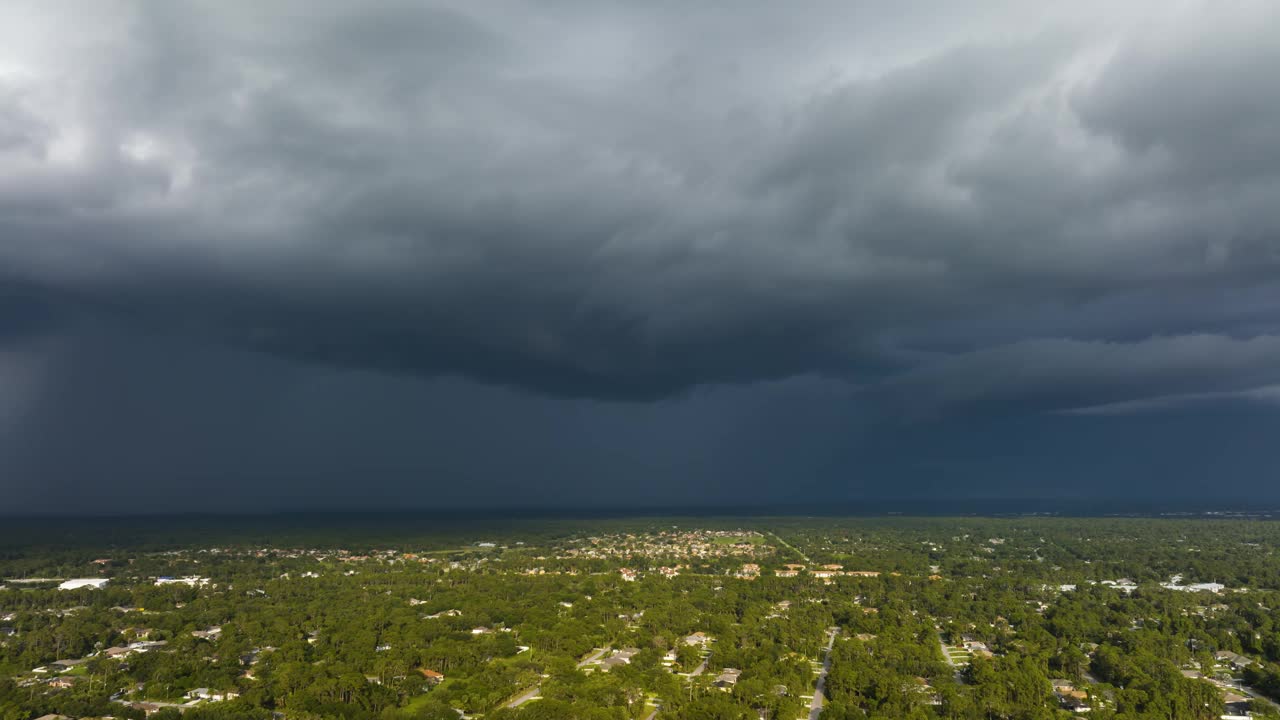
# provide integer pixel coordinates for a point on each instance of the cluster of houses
(631, 574)
(204, 693)
(1175, 583)
(53, 675)
(1127, 586)
(191, 580)
(825, 572)
(140, 646)
(1227, 664)
(384, 556)
(833, 570)
(193, 698)
(702, 544)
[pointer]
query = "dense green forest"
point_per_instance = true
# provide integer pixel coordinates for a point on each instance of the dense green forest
(403, 618)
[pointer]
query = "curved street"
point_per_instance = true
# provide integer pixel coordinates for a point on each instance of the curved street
(815, 707)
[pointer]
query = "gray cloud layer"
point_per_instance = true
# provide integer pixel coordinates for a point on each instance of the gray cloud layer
(988, 207)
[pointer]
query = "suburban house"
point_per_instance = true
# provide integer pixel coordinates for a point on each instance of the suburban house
(1233, 659)
(1069, 696)
(619, 657)
(1235, 705)
(698, 638)
(727, 678)
(443, 613)
(974, 645)
(208, 633)
(926, 692)
(208, 695)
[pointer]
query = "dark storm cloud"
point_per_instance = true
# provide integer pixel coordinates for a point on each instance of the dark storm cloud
(22, 316)
(1072, 374)
(1008, 208)
(144, 422)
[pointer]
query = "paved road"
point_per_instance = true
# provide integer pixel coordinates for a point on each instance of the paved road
(526, 697)
(532, 693)
(815, 708)
(592, 657)
(1245, 690)
(789, 546)
(947, 656)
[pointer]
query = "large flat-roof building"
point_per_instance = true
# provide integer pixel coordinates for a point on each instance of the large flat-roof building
(77, 583)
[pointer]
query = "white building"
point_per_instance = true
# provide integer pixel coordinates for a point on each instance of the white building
(76, 584)
(191, 580)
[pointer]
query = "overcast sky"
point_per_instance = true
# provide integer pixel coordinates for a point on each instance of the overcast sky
(404, 254)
